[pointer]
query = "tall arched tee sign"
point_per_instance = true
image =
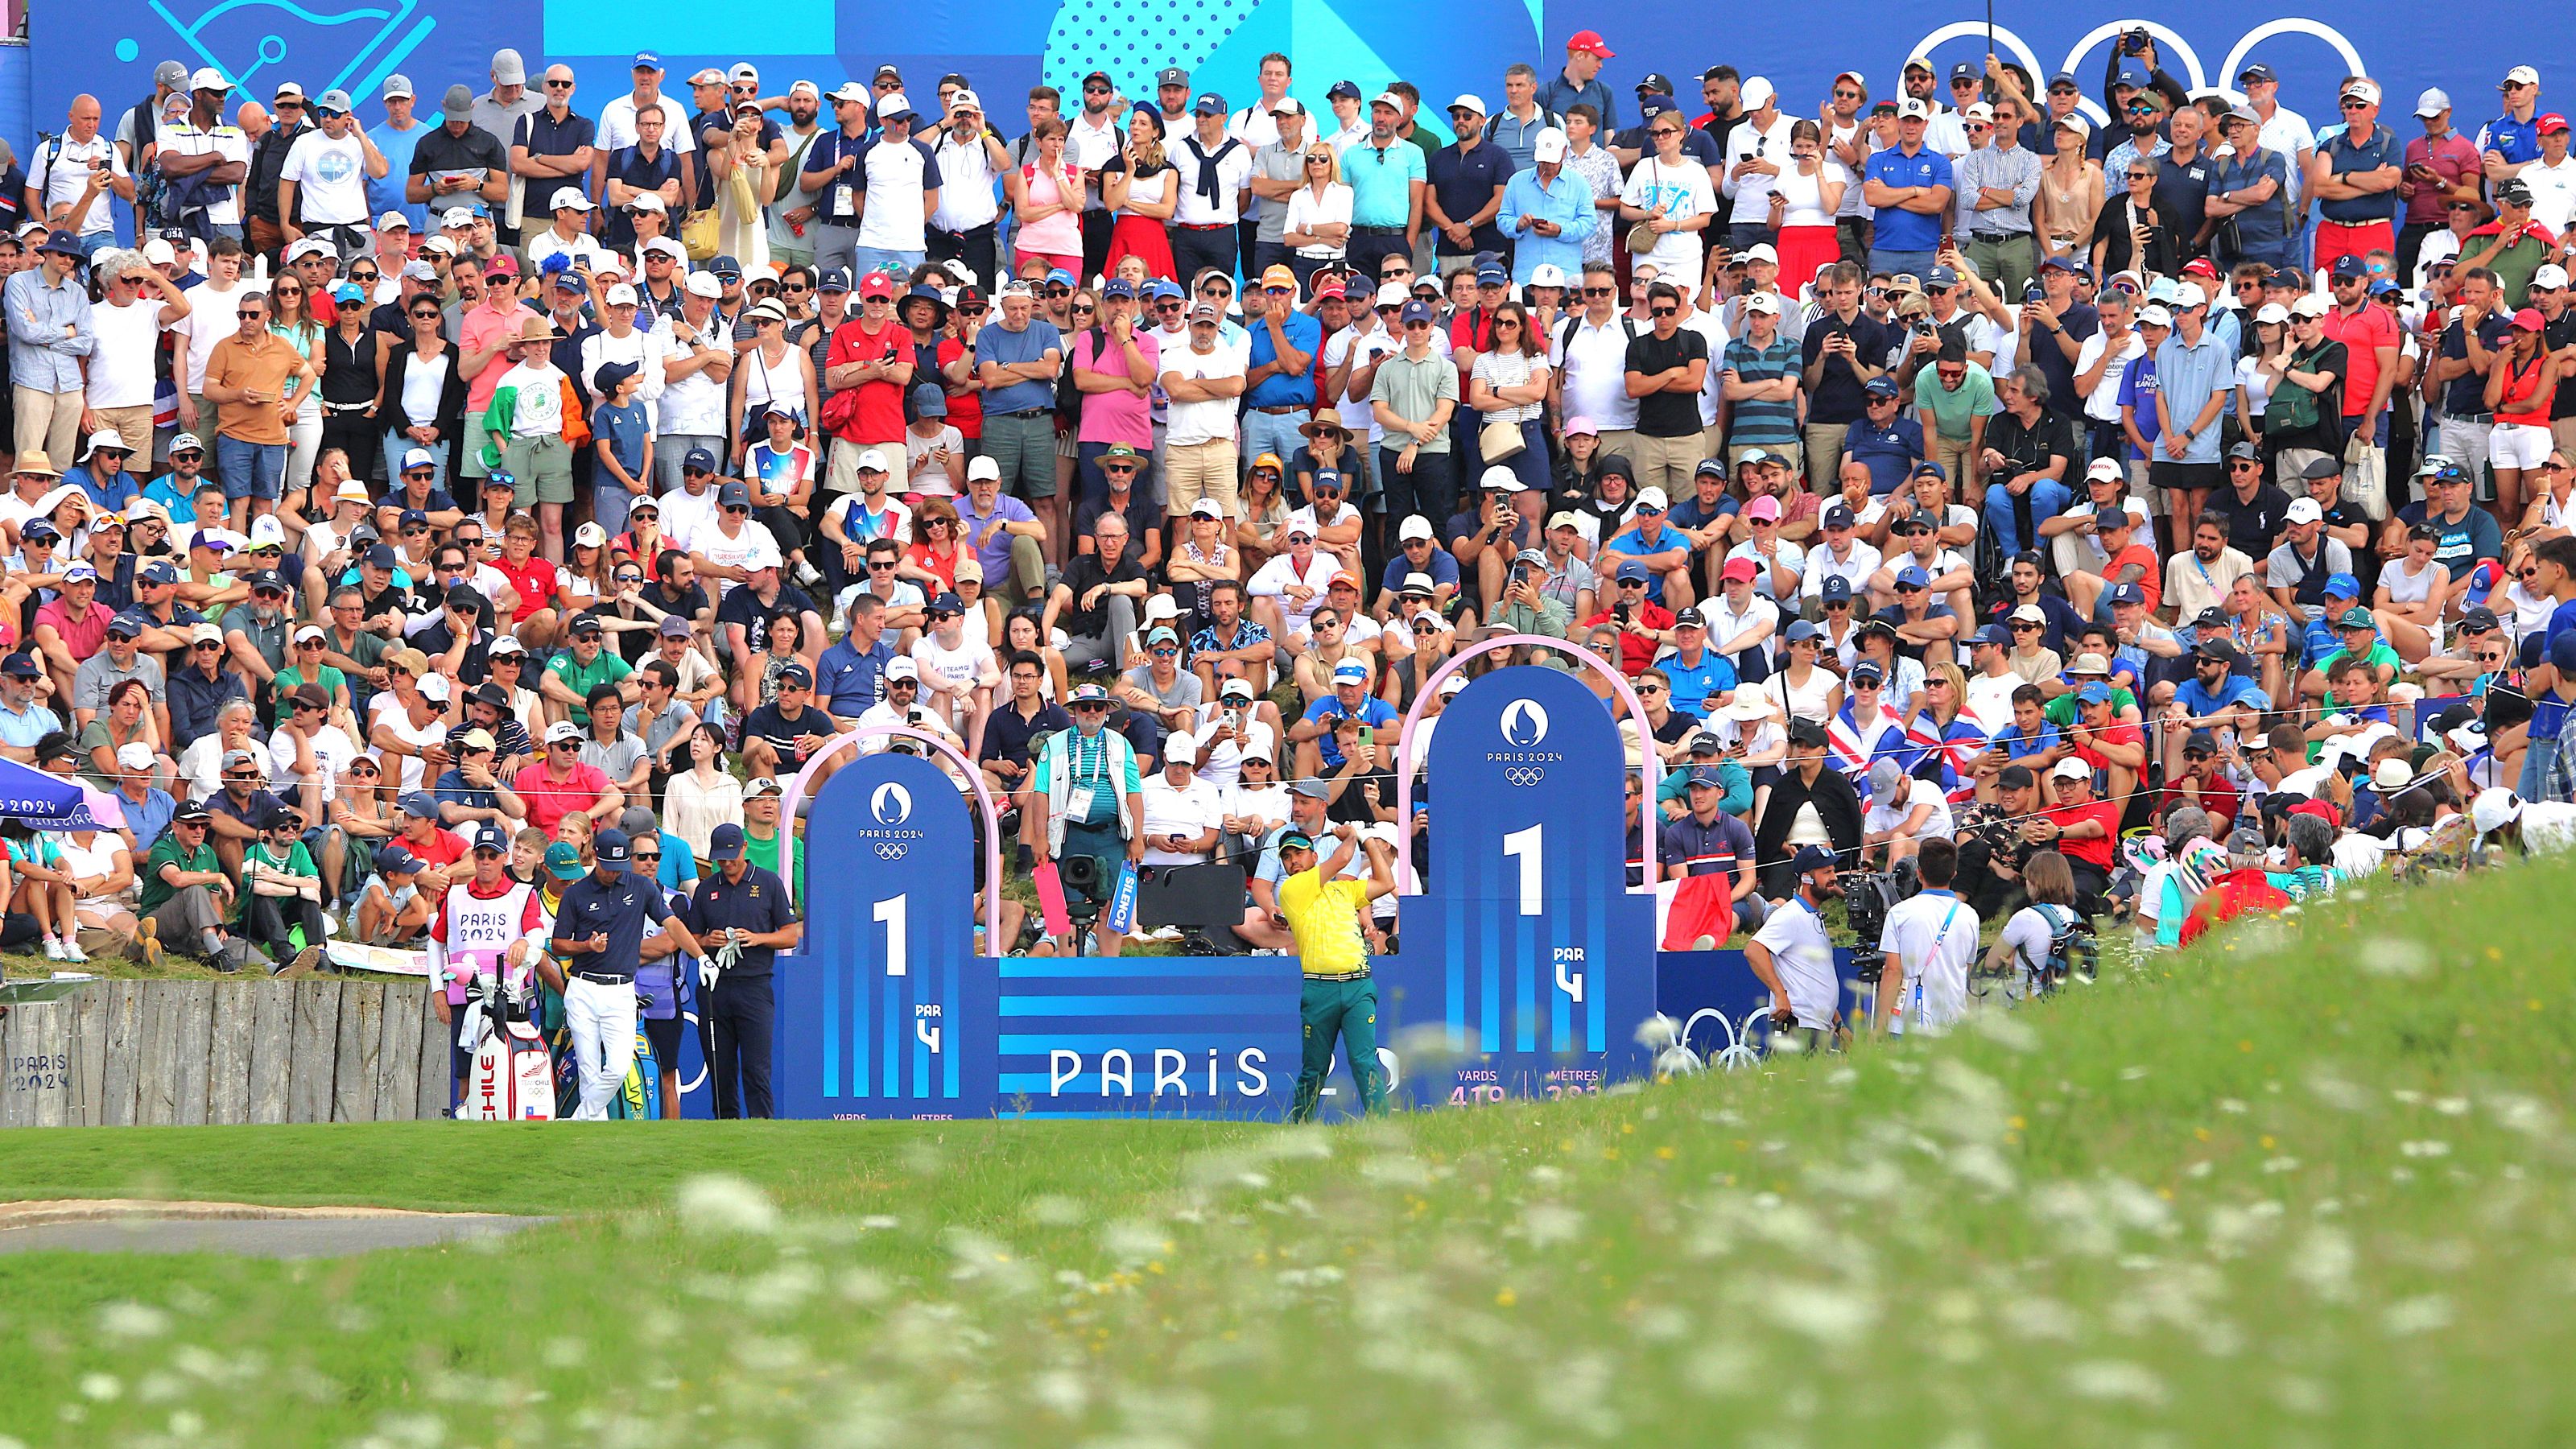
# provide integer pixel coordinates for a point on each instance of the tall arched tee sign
(1526, 950)
(880, 1008)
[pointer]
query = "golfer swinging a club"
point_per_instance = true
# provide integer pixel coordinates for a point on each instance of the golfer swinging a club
(1339, 998)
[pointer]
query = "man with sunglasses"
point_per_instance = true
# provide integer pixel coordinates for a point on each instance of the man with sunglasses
(262, 232)
(970, 158)
(1085, 795)
(199, 688)
(2439, 169)
(2511, 141)
(1387, 175)
(1910, 186)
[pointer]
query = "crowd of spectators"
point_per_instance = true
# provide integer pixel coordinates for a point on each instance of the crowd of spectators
(1933, 467)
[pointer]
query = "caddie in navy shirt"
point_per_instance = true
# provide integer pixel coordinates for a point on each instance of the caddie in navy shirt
(744, 905)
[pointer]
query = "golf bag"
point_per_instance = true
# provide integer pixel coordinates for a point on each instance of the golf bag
(512, 1078)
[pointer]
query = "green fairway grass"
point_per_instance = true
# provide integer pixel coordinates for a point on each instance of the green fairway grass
(2313, 1184)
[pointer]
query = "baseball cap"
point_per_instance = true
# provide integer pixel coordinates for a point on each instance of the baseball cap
(2433, 102)
(2304, 510)
(562, 861)
(2343, 586)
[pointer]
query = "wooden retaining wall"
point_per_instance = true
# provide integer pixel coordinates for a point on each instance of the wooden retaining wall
(188, 1053)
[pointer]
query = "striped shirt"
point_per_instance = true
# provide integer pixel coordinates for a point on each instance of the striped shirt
(1768, 421)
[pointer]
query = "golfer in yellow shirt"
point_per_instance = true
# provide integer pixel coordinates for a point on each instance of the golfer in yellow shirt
(1339, 998)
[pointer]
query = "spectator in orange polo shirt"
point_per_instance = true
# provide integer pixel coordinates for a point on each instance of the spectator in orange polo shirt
(255, 379)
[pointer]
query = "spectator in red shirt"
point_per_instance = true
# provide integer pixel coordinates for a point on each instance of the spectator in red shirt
(533, 579)
(871, 358)
(2200, 783)
(2441, 167)
(2245, 887)
(2127, 561)
(2079, 827)
(2368, 332)
(561, 785)
(437, 849)
(1644, 626)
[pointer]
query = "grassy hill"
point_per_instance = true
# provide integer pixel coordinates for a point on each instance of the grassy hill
(2309, 1185)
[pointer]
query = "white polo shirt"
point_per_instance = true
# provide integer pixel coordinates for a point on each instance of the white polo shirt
(1804, 960)
(1594, 363)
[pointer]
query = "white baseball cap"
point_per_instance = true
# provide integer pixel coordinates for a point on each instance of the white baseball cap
(2303, 510)
(2549, 275)
(1756, 93)
(2494, 809)
(2433, 102)
(1548, 145)
(1652, 496)
(872, 461)
(568, 196)
(980, 468)
(1470, 101)
(2104, 468)
(1414, 526)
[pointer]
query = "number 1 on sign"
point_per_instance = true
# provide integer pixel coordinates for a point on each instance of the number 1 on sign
(1527, 846)
(891, 912)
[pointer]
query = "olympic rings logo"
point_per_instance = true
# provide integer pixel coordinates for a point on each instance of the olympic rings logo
(1524, 775)
(892, 849)
(2168, 41)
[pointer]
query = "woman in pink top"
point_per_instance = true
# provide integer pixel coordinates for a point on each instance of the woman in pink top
(1050, 220)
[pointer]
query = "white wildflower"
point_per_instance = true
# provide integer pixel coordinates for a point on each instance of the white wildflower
(2410, 1316)
(1547, 1224)
(132, 1320)
(1829, 1315)
(2425, 1147)
(2115, 1379)
(720, 1203)
(101, 1388)
(2385, 956)
(2324, 1262)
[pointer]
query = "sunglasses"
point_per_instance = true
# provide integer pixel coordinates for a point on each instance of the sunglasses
(1667, 311)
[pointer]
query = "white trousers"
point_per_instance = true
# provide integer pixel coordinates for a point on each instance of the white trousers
(601, 1019)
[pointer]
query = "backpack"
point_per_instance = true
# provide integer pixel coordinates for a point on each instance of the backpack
(2073, 954)
(1565, 333)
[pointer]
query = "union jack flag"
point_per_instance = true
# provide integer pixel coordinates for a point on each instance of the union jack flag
(1853, 749)
(1956, 748)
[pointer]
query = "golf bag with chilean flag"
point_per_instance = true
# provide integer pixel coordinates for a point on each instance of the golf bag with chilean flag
(512, 1077)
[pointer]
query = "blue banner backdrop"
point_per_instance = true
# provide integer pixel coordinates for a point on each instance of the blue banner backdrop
(109, 47)
(886, 1011)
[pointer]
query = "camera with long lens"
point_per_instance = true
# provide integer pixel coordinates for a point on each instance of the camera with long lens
(1867, 898)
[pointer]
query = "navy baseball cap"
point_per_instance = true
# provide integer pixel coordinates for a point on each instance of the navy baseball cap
(733, 495)
(2127, 594)
(701, 459)
(1633, 571)
(19, 666)
(1811, 857)
(1992, 634)
(493, 838)
(420, 803)
(2349, 268)
(725, 843)
(726, 269)
(1706, 775)
(1836, 589)
(1836, 516)
(1342, 90)
(610, 844)
(130, 624)
(1417, 310)
(1880, 387)
(157, 571)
